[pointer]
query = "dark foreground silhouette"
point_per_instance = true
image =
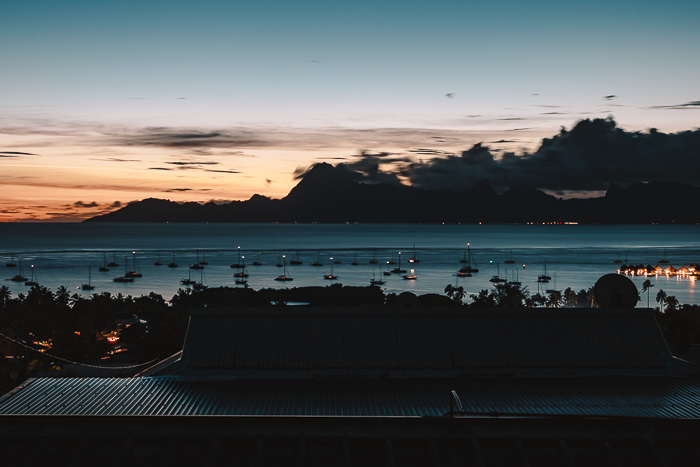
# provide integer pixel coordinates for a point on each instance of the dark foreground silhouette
(107, 329)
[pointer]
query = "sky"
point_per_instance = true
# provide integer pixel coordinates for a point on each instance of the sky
(103, 103)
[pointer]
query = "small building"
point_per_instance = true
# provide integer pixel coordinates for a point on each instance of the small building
(423, 386)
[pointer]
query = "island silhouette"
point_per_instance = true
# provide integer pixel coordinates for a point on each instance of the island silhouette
(330, 194)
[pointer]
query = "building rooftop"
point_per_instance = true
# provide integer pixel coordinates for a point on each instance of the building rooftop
(379, 387)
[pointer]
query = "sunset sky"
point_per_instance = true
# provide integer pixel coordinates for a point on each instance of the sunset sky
(103, 103)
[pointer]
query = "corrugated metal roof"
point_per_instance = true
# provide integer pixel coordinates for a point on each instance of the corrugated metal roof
(429, 341)
(667, 398)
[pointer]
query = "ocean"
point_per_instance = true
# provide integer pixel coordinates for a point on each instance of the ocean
(574, 255)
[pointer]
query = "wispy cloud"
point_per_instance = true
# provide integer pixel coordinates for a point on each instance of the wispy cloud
(16, 153)
(114, 159)
(186, 163)
(687, 106)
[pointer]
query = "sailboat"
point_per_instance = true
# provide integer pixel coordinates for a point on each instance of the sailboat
(468, 260)
(398, 269)
(374, 256)
(19, 277)
(374, 281)
(284, 277)
(242, 276)
(239, 264)
(516, 282)
(296, 261)
(89, 285)
(257, 260)
(12, 263)
(113, 263)
(132, 273)
(664, 260)
(387, 272)
(510, 259)
(204, 259)
(544, 278)
(411, 276)
(331, 277)
(104, 267)
(318, 262)
(32, 282)
(189, 280)
(354, 262)
(243, 272)
(197, 264)
(172, 264)
(414, 258)
(497, 278)
(126, 277)
(200, 285)
(158, 263)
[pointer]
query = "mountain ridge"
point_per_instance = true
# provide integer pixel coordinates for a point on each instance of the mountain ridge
(332, 194)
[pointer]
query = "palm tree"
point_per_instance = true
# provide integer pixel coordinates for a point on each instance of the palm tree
(62, 295)
(555, 300)
(646, 285)
(455, 293)
(570, 298)
(4, 295)
(661, 298)
(671, 303)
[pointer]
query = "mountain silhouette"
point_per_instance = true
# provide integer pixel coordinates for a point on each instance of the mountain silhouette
(334, 194)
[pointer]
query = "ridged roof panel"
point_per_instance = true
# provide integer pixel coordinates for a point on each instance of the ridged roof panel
(582, 397)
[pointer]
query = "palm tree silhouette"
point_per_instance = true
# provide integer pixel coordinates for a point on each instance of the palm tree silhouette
(646, 285)
(661, 298)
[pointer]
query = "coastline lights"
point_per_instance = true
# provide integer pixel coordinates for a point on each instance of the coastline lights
(641, 270)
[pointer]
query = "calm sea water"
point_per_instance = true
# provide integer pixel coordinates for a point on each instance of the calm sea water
(574, 255)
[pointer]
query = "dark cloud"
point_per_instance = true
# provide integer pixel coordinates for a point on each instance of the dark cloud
(429, 152)
(188, 139)
(500, 141)
(609, 98)
(114, 159)
(223, 171)
(591, 155)
(473, 116)
(519, 129)
(366, 167)
(17, 153)
(686, 106)
(80, 204)
(512, 118)
(268, 181)
(6, 155)
(116, 204)
(173, 190)
(301, 171)
(192, 163)
(450, 95)
(554, 113)
(159, 168)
